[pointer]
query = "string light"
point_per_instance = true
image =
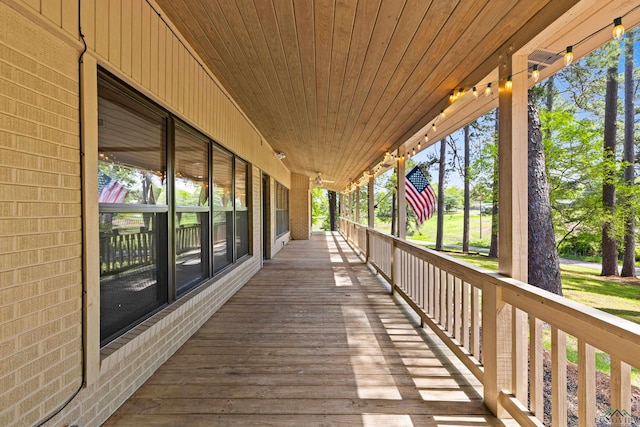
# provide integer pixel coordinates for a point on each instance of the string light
(618, 28)
(618, 32)
(535, 74)
(568, 57)
(487, 91)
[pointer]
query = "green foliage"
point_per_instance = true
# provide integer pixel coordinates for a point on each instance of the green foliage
(320, 208)
(453, 198)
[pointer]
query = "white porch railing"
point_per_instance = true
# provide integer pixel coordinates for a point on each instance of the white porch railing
(494, 325)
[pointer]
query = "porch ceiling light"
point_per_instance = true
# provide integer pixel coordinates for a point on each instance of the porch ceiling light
(281, 155)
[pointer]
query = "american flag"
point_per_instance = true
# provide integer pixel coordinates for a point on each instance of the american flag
(109, 191)
(420, 195)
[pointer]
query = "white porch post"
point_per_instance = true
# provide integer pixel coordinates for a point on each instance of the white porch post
(371, 196)
(358, 204)
(500, 357)
(402, 204)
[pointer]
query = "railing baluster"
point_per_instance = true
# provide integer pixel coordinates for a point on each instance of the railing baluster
(465, 315)
(558, 377)
(432, 287)
(436, 294)
(475, 322)
(620, 385)
(519, 351)
(443, 296)
(455, 309)
(536, 371)
(450, 284)
(586, 384)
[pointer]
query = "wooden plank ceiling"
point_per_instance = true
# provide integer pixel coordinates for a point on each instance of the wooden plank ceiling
(335, 83)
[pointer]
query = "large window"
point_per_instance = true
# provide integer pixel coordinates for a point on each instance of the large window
(282, 209)
(173, 208)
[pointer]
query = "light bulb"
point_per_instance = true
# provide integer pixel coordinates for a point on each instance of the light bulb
(487, 91)
(413, 153)
(442, 114)
(452, 97)
(618, 28)
(460, 92)
(426, 138)
(475, 92)
(535, 74)
(568, 57)
(433, 127)
(508, 84)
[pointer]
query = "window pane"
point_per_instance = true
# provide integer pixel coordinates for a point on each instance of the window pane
(131, 150)
(222, 203)
(242, 211)
(132, 279)
(192, 264)
(192, 189)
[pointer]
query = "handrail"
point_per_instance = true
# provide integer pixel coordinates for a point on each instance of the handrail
(457, 299)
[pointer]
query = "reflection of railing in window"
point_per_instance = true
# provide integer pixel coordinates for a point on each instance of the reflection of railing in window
(187, 238)
(121, 251)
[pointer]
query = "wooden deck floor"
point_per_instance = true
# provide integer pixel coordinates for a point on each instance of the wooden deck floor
(314, 339)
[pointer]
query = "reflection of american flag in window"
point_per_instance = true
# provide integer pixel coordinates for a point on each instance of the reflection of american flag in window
(420, 195)
(109, 191)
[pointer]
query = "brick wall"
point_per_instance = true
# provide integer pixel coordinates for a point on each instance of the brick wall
(40, 226)
(300, 207)
(131, 359)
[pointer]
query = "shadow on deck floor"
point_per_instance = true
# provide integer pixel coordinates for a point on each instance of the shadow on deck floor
(314, 339)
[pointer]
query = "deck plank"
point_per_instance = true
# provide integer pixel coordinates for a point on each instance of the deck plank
(313, 339)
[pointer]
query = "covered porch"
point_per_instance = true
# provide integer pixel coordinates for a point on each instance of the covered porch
(315, 338)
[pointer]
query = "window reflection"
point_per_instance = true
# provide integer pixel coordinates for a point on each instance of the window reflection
(222, 203)
(192, 200)
(242, 211)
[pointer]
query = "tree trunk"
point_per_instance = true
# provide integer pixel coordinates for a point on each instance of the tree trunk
(332, 210)
(544, 267)
(629, 257)
(493, 249)
(441, 170)
(465, 225)
(609, 246)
